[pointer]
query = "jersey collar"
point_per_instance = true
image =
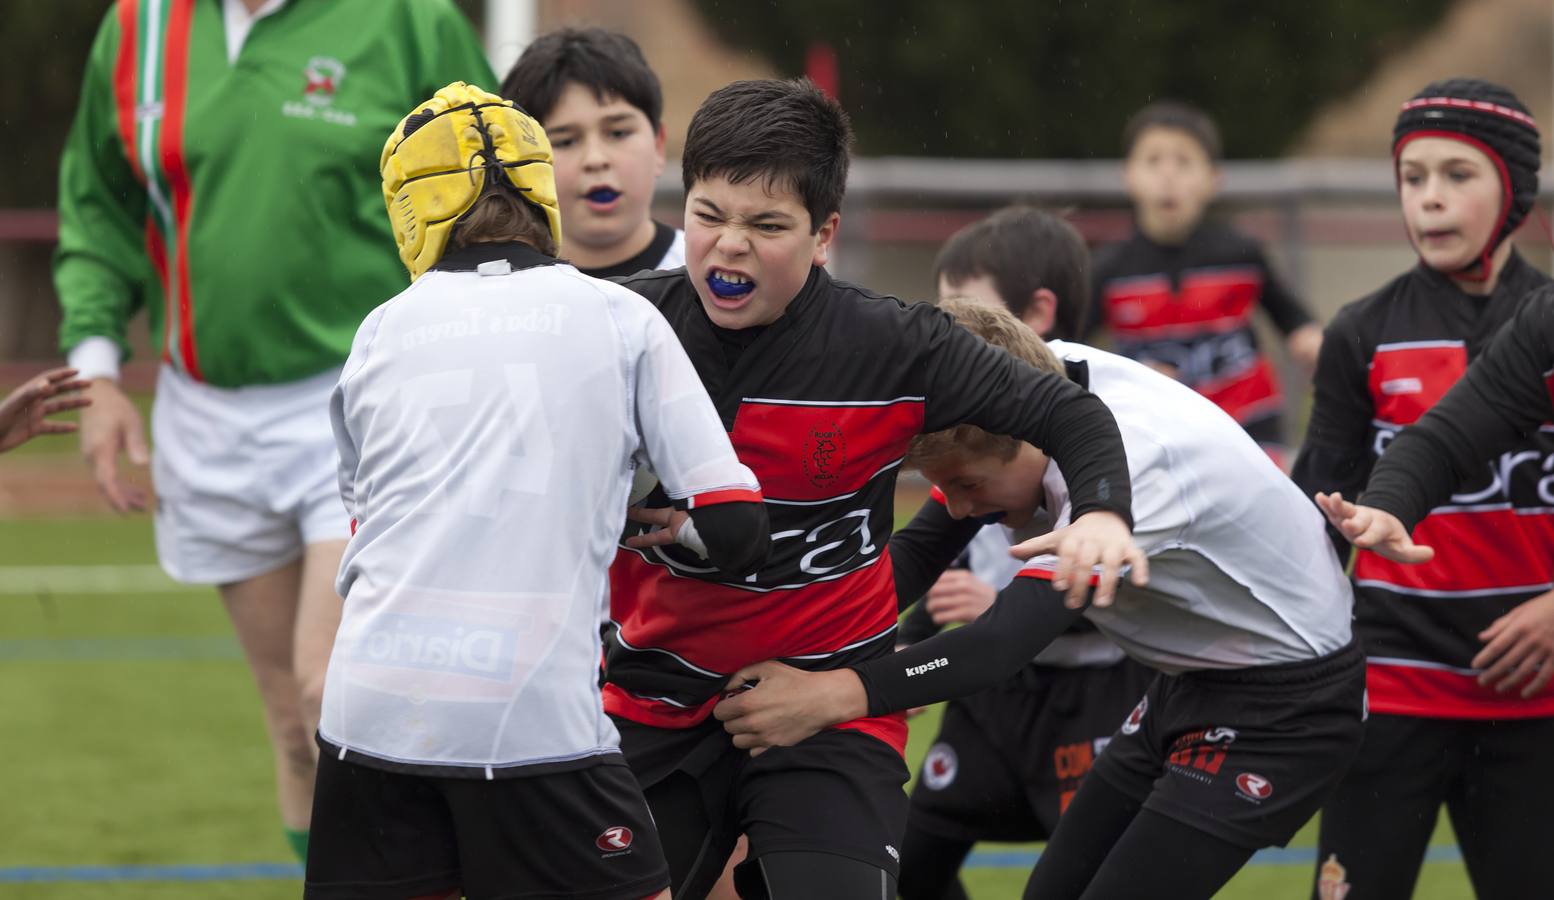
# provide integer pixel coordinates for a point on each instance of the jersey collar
(470, 256)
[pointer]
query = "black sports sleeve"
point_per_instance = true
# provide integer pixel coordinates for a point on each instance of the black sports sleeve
(1286, 310)
(922, 549)
(916, 625)
(1027, 616)
(1335, 455)
(737, 535)
(966, 380)
(1503, 398)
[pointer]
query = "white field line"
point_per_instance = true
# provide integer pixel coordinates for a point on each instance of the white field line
(106, 580)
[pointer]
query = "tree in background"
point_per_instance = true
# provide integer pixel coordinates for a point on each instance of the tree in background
(1014, 78)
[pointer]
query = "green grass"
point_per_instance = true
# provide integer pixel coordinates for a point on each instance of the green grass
(135, 760)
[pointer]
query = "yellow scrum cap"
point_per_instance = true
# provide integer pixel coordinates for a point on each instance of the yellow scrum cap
(439, 159)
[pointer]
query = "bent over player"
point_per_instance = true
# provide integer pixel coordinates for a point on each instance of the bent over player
(821, 385)
(465, 749)
(1259, 707)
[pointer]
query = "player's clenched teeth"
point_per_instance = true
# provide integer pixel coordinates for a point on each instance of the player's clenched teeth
(729, 284)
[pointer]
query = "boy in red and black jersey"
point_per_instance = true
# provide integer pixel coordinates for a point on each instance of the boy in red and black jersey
(1466, 154)
(1180, 293)
(821, 385)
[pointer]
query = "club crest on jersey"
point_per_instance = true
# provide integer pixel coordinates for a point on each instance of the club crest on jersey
(939, 767)
(1333, 880)
(321, 77)
(614, 840)
(1254, 787)
(825, 452)
(1136, 718)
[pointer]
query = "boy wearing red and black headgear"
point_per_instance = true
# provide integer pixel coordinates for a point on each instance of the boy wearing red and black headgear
(1466, 158)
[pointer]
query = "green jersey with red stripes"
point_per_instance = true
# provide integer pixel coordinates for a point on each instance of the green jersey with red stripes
(231, 187)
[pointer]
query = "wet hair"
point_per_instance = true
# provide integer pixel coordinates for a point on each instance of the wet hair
(606, 62)
(501, 215)
(1000, 328)
(1023, 249)
(1178, 115)
(787, 134)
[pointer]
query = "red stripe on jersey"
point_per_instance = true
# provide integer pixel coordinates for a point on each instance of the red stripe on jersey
(1047, 574)
(1209, 300)
(803, 452)
(1548, 381)
(713, 498)
(1405, 381)
(1247, 395)
(176, 81)
(1475, 552)
(156, 249)
(124, 81)
(353, 528)
(722, 628)
(1435, 693)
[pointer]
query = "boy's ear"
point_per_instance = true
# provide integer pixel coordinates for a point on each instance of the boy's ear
(1042, 314)
(658, 150)
(823, 238)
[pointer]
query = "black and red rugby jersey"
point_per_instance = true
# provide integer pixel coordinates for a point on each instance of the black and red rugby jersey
(1190, 307)
(821, 406)
(1385, 361)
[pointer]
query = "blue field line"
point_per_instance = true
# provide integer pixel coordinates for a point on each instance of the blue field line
(988, 859)
(134, 649)
(1272, 856)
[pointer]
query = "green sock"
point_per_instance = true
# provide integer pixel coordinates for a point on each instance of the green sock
(299, 844)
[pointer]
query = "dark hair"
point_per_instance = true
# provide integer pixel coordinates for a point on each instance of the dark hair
(786, 133)
(606, 62)
(501, 215)
(1173, 114)
(1023, 249)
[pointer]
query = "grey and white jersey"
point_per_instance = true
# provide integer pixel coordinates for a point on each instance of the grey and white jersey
(488, 423)
(1241, 572)
(990, 561)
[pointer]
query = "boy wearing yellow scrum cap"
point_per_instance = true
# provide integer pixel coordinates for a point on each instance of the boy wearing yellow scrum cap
(465, 750)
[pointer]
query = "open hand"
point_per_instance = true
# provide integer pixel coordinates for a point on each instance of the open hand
(24, 413)
(109, 427)
(1372, 529)
(1095, 538)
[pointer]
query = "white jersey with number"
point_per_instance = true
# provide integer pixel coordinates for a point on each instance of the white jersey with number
(488, 424)
(1241, 572)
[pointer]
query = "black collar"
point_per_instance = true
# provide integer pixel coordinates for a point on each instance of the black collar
(649, 258)
(470, 256)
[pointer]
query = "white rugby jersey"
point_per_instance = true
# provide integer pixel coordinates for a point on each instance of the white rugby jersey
(1241, 572)
(990, 561)
(488, 423)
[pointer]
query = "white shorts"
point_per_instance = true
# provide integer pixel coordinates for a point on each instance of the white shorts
(245, 478)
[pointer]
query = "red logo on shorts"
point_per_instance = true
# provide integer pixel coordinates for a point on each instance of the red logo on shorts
(614, 840)
(1255, 786)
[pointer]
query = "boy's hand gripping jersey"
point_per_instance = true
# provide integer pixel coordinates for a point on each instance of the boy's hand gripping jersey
(1387, 359)
(822, 406)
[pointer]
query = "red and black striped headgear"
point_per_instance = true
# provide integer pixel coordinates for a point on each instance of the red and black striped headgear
(1489, 117)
